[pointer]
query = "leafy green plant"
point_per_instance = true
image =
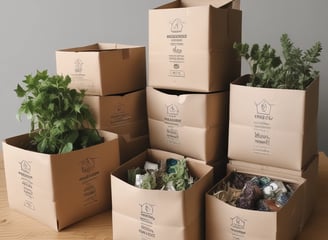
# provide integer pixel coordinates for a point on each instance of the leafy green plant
(178, 176)
(175, 177)
(60, 121)
(293, 71)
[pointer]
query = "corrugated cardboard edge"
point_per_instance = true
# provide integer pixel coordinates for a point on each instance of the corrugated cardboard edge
(100, 46)
(234, 4)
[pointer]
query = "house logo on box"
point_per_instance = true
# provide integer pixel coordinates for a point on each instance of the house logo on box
(238, 226)
(263, 110)
(147, 209)
(120, 107)
(29, 204)
(147, 221)
(25, 166)
(176, 25)
(238, 222)
(172, 110)
(264, 107)
(78, 65)
(88, 165)
(172, 113)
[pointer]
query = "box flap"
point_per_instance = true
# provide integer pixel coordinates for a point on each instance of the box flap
(99, 47)
(234, 4)
(253, 168)
(178, 108)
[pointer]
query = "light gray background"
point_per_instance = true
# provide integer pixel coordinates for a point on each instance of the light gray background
(31, 31)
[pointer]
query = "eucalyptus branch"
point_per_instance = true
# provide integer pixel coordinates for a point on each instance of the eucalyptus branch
(293, 71)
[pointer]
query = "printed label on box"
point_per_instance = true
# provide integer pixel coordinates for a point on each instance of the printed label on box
(88, 179)
(262, 128)
(176, 39)
(147, 220)
(120, 116)
(173, 121)
(172, 135)
(238, 228)
(26, 178)
(79, 77)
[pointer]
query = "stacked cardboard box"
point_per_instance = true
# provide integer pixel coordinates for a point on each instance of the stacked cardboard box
(264, 121)
(191, 64)
(75, 185)
(114, 77)
(191, 124)
(61, 189)
(272, 132)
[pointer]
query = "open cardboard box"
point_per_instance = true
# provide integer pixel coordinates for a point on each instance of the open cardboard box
(309, 172)
(190, 45)
(60, 189)
(273, 127)
(104, 68)
(190, 124)
(159, 214)
(224, 221)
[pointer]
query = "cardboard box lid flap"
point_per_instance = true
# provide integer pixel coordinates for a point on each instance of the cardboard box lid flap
(253, 168)
(110, 46)
(173, 4)
(234, 4)
(100, 47)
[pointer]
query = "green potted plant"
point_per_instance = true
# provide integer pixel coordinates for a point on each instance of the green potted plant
(58, 173)
(268, 70)
(273, 110)
(60, 121)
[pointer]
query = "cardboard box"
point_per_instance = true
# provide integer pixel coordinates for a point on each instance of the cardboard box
(113, 112)
(133, 140)
(273, 127)
(104, 68)
(126, 115)
(59, 189)
(310, 173)
(190, 45)
(159, 214)
(224, 221)
(190, 124)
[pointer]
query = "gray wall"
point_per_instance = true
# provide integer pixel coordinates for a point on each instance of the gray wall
(31, 31)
